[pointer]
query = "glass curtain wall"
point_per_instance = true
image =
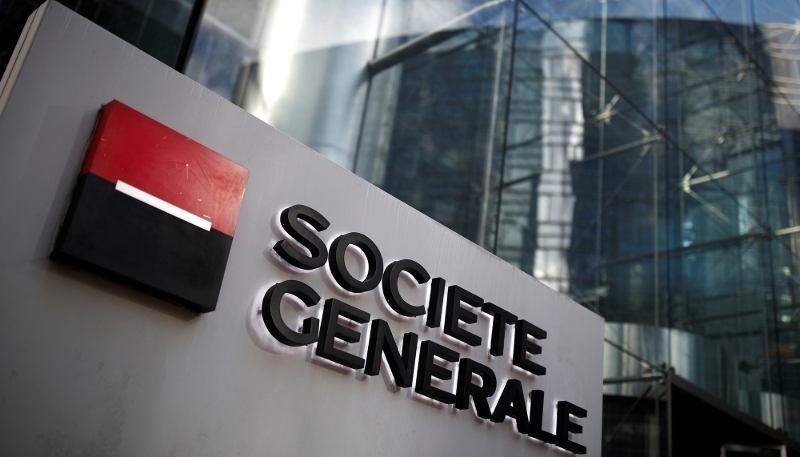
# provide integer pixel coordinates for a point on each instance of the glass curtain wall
(162, 28)
(638, 156)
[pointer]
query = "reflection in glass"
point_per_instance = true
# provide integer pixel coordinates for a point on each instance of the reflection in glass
(162, 28)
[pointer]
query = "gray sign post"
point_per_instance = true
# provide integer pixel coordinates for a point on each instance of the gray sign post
(89, 366)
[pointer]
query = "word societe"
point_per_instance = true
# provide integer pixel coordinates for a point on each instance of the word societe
(297, 221)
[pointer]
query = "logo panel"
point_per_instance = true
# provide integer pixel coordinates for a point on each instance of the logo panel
(153, 209)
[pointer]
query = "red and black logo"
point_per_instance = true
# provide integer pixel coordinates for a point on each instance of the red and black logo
(154, 209)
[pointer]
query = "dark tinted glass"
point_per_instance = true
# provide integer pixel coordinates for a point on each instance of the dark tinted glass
(161, 28)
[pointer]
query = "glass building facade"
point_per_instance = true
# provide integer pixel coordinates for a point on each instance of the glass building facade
(639, 156)
(162, 28)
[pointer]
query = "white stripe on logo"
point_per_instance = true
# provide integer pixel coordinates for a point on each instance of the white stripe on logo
(168, 208)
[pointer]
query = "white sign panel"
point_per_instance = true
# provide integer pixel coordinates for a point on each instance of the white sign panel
(347, 322)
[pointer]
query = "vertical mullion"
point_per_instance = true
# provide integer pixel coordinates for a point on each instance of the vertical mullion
(504, 147)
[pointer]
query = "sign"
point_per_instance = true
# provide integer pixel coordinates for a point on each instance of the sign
(476, 383)
(325, 273)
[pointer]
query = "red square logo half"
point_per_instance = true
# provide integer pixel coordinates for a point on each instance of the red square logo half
(153, 209)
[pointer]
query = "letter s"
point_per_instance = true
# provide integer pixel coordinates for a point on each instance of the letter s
(290, 221)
